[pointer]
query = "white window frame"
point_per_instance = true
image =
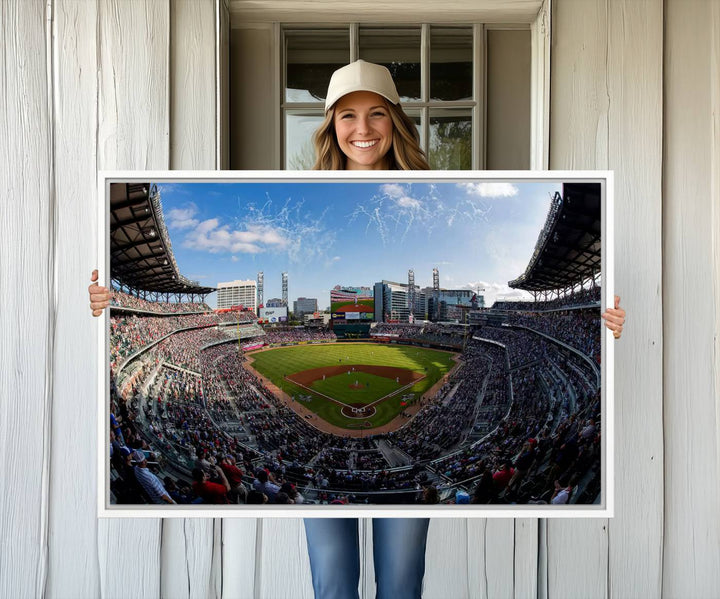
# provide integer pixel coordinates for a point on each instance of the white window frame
(476, 106)
(536, 17)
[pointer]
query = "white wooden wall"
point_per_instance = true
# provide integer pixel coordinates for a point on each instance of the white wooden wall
(115, 84)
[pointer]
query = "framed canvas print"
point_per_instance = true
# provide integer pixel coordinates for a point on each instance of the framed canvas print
(355, 344)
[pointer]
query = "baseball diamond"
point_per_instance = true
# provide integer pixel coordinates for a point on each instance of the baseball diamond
(344, 382)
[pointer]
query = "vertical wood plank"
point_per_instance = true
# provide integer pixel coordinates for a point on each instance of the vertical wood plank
(73, 522)
(282, 564)
(577, 550)
(525, 575)
(715, 194)
(133, 127)
(238, 556)
(578, 93)
(26, 303)
(133, 133)
(187, 559)
(691, 402)
(490, 557)
(607, 113)
(193, 83)
(190, 565)
(635, 49)
(447, 558)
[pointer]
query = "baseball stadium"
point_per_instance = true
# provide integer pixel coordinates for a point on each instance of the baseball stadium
(404, 395)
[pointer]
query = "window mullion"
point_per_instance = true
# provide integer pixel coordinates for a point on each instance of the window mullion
(354, 41)
(479, 82)
(425, 85)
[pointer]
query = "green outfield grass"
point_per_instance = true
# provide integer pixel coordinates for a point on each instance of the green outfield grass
(278, 363)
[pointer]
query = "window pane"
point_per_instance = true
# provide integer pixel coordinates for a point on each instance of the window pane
(311, 58)
(299, 150)
(451, 56)
(450, 139)
(399, 51)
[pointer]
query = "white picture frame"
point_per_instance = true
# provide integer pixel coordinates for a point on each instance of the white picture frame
(604, 509)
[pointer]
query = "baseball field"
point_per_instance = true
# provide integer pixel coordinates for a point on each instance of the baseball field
(353, 385)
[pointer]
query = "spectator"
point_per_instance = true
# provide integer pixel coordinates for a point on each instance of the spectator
(563, 490)
(292, 493)
(264, 485)
(210, 492)
(430, 495)
(502, 477)
(151, 483)
(237, 492)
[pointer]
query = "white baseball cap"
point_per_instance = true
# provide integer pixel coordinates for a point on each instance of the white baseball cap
(361, 76)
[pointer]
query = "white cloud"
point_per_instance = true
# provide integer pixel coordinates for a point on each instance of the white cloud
(330, 261)
(493, 291)
(211, 236)
(182, 218)
(400, 195)
(490, 189)
(393, 190)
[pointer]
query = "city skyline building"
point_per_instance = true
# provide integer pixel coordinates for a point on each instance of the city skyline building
(237, 293)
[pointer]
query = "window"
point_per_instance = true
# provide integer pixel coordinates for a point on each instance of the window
(438, 71)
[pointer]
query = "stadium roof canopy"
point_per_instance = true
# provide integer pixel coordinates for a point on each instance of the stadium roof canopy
(141, 256)
(567, 252)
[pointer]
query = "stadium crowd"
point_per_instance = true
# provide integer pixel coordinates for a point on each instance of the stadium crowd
(298, 335)
(174, 402)
(120, 299)
(582, 297)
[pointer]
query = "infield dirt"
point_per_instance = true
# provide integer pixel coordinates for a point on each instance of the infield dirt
(322, 425)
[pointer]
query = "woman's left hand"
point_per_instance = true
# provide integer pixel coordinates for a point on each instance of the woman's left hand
(615, 318)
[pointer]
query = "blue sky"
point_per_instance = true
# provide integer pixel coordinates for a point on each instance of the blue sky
(478, 234)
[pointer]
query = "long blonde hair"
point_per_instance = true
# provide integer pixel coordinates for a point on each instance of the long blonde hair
(405, 154)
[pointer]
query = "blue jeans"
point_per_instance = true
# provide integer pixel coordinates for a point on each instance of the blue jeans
(398, 552)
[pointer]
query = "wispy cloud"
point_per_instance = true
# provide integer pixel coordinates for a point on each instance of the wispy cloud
(400, 195)
(182, 218)
(330, 261)
(211, 236)
(396, 209)
(306, 236)
(490, 189)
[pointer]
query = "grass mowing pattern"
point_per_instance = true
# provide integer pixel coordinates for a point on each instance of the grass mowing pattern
(277, 363)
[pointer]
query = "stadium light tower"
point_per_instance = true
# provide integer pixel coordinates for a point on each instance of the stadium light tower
(436, 293)
(260, 288)
(411, 294)
(285, 289)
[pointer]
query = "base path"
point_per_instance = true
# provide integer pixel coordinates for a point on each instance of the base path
(322, 425)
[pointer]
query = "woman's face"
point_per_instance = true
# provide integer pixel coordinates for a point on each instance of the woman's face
(364, 130)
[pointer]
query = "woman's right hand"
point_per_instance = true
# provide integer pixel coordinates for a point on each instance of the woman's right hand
(99, 296)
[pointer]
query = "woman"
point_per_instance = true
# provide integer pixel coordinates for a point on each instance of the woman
(365, 129)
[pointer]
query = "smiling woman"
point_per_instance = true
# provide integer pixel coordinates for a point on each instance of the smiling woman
(365, 128)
